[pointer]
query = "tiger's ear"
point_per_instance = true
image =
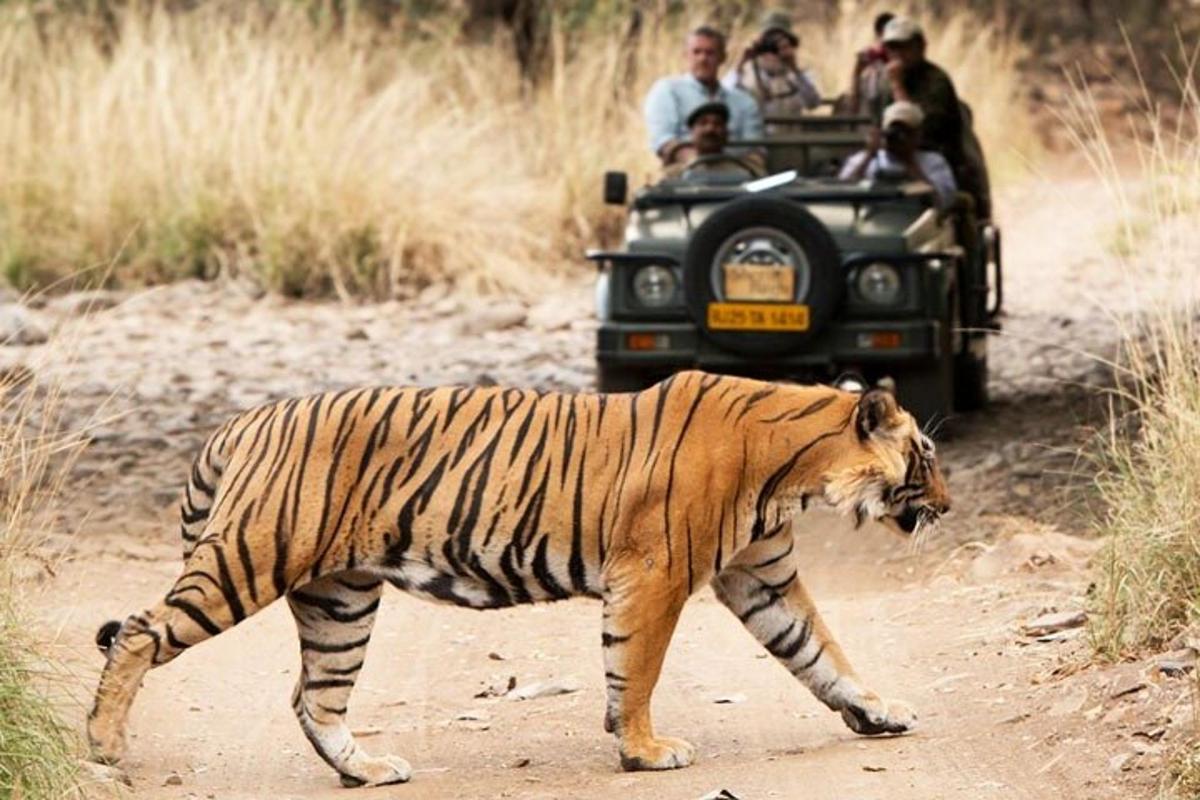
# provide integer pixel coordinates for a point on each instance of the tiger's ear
(876, 409)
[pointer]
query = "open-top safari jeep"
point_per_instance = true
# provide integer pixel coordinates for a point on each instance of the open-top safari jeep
(799, 275)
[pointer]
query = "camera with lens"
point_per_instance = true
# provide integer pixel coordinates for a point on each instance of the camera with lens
(894, 136)
(765, 44)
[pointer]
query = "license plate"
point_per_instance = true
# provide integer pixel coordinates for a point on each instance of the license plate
(757, 317)
(758, 282)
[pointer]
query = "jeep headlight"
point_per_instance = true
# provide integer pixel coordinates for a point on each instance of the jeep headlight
(879, 284)
(654, 286)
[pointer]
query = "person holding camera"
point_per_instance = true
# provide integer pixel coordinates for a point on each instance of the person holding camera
(912, 77)
(869, 80)
(768, 70)
(895, 153)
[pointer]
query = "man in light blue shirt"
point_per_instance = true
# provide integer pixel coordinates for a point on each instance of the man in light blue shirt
(896, 153)
(671, 100)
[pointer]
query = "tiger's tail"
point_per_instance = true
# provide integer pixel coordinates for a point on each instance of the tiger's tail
(194, 507)
(107, 635)
(201, 489)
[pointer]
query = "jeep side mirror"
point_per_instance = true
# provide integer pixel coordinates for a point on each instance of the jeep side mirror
(616, 188)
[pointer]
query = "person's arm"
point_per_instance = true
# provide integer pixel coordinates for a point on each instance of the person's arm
(754, 120)
(661, 115)
(733, 78)
(810, 92)
(855, 166)
(942, 129)
(895, 76)
(860, 63)
(936, 171)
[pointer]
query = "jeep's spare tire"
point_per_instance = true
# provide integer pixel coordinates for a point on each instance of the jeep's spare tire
(759, 259)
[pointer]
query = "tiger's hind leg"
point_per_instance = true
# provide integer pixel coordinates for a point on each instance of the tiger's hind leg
(204, 601)
(334, 616)
(641, 607)
(762, 588)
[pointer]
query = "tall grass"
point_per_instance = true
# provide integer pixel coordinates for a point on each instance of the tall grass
(1148, 471)
(353, 160)
(38, 754)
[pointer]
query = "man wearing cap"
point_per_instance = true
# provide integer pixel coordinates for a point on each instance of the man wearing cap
(912, 78)
(708, 128)
(870, 73)
(900, 154)
(671, 100)
(768, 71)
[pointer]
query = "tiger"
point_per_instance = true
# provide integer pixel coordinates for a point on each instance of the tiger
(488, 497)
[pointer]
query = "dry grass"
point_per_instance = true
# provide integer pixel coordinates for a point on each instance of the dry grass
(1148, 470)
(1147, 577)
(38, 754)
(350, 161)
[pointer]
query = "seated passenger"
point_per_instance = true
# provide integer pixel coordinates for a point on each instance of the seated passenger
(671, 100)
(768, 71)
(708, 128)
(900, 155)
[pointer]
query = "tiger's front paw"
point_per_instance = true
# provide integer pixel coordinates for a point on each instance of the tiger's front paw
(380, 771)
(106, 743)
(662, 753)
(880, 716)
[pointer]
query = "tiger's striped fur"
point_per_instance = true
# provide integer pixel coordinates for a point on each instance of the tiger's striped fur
(489, 497)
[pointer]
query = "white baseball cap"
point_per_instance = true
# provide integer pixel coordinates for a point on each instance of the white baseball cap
(901, 29)
(905, 112)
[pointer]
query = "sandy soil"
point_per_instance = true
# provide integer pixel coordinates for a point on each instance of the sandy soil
(1002, 715)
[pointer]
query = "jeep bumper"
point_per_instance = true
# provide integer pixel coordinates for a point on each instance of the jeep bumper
(681, 345)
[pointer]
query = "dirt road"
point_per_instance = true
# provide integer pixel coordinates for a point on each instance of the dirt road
(1002, 715)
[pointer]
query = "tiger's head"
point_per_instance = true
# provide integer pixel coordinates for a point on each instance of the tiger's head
(893, 475)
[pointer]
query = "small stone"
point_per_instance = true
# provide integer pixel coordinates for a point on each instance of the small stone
(549, 688)
(730, 699)
(357, 335)
(1052, 623)
(137, 551)
(445, 307)
(471, 716)
(1126, 687)
(720, 794)
(20, 326)
(1069, 703)
(494, 656)
(369, 730)
(493, 318)
(83, 303)
(473, 725)
(520, 762)
(1150, 734)
(1115, 716)
(174, 779)
(873, 768)
(102, 773)
(1177, 663)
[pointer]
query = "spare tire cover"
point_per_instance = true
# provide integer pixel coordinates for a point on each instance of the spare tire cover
(769, 231)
